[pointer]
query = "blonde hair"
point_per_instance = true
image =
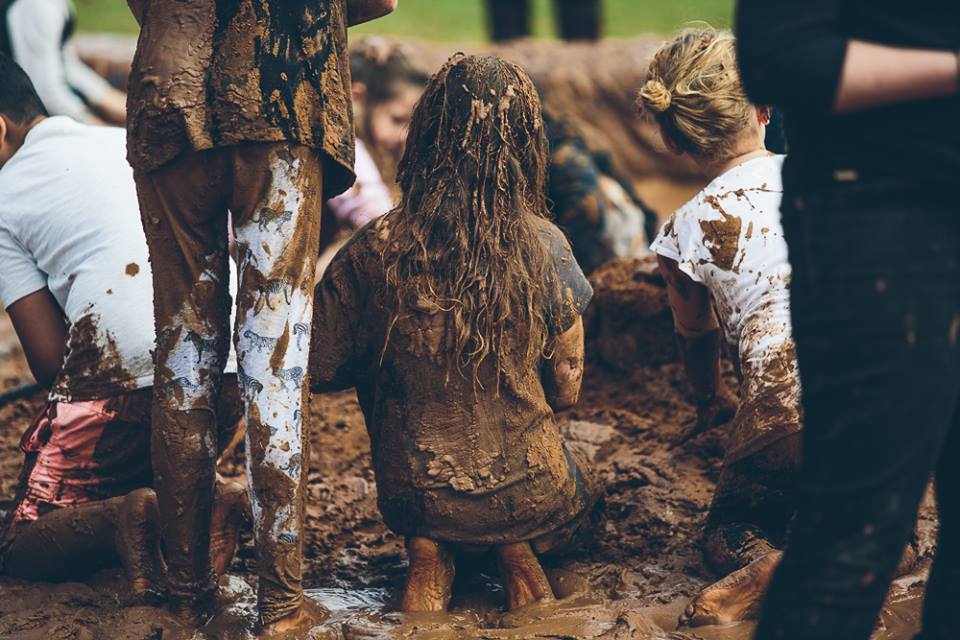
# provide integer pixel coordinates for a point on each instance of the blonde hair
(693, 92)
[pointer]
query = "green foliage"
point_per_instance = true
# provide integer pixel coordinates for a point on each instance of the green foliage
(464, 20)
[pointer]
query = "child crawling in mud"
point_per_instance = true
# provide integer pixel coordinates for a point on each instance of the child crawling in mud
(457, 318)
(75, 280)
(724, 257)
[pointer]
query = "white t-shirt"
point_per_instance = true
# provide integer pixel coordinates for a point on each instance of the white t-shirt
(38, 33)
(70, 221)
(368, 198)
(729, 238)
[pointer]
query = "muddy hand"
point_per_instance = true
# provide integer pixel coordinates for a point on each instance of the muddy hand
(522, 575)
(735, 598)
(713, 413)
(429, 578)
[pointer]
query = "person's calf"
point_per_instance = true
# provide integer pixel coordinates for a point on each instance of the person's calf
(138, 544)
(229, 512)
(430, 576)
(523, 576)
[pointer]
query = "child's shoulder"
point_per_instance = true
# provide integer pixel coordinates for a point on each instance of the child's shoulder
(736, 191)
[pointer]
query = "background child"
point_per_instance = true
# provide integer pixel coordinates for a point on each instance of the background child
(37, 34)
(75, 281)
(724, 258)
(457, 317)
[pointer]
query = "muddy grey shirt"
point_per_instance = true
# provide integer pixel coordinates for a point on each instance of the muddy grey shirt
(213, 73)
(451, 464)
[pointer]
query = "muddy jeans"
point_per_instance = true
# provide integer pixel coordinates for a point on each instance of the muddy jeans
(876, 317)
(274, 192)
(752, 506)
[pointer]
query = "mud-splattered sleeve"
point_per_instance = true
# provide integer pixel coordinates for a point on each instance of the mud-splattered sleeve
(336, 325)
(570, 291)
(679, 241)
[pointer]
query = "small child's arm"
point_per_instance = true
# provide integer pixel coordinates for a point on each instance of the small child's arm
(563, 372)
(39, 323)
(360, 11)
(698, 333)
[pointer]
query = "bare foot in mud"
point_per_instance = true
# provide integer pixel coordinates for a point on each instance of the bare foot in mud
(737, 597)
(138, 544)
(522, 575)
(295, 625)
(225, 521)
(429, 578)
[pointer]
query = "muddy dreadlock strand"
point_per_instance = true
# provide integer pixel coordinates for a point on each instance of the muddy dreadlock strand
(464, 239)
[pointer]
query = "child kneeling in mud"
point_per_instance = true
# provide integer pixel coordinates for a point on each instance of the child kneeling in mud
(457, 318)
(724, 250)
(75, 280)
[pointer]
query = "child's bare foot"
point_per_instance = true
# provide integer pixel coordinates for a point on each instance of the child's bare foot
(138, 544)
(522, 575)
(429, 578)
(225, 520)
(736, 597)
(295, 625)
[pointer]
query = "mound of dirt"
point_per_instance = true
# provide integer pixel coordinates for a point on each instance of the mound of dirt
(629, 321)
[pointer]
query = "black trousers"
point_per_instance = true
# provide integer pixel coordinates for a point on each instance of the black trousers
(576, 19)
(876, 317)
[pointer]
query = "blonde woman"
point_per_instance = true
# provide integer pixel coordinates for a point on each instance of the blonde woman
(725, 262)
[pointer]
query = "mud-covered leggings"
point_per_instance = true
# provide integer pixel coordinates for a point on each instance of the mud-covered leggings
(752, 506)
(274, 192)
(876, 316)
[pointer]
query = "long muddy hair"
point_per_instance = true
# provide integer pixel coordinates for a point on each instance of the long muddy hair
(464, 240)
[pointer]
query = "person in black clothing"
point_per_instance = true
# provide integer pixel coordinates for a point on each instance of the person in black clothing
(870, 98)
(576, 19)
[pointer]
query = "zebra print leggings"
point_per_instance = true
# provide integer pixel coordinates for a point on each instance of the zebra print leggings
(274, 192)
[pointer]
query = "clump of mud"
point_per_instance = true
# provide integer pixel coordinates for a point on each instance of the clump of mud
(629, 321)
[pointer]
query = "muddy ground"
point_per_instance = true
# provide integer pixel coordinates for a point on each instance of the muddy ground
(646, 564)
(633, 584)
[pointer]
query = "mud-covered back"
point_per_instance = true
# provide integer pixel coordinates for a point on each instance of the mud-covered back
(455, 458)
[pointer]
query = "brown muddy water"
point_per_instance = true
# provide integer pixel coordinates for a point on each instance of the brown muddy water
(633, 584)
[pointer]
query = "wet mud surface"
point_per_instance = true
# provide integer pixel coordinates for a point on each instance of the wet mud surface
(634, 583)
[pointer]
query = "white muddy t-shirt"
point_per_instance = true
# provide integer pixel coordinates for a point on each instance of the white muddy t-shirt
(729, 238)
(70, 221)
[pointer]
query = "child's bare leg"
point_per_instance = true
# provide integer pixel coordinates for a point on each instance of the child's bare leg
(522, 575)
(229, 502)
(429, 578)
(137, 539)
(65, 544)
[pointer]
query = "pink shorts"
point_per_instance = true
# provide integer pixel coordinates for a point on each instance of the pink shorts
(79, 452)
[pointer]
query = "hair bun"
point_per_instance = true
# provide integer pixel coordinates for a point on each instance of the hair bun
(656, 96)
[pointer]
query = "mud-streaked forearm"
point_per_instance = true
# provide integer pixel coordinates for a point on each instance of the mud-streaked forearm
(563, 373)
(360, 11)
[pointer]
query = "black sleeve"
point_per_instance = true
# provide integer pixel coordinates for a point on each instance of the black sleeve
(569, 292)
(791, 52)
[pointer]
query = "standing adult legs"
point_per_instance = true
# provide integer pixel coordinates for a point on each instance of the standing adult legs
(579, 19)
(184, 218)
(509, 19)
(940, 620)
(276, 202)
(875, 296)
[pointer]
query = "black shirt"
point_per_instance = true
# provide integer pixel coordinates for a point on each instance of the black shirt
(791, 55)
